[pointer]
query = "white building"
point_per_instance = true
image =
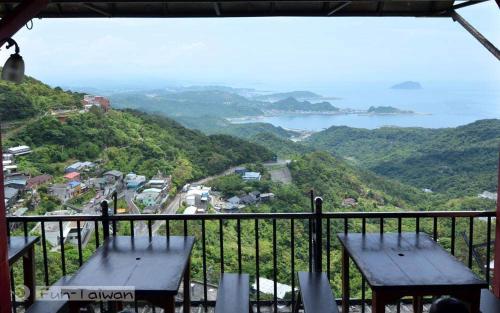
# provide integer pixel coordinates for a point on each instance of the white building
(157, 183)
(249, 176)
(19, 150)
(149, 196)
(488, 195)
(267, 286)
(190, 210)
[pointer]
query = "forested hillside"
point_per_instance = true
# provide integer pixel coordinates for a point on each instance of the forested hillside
(458, 161)
(132, 141)
(32, 97)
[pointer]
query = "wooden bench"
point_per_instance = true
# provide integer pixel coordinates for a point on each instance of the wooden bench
(489, 303)
(233, 294)
(45, 305)
(315, 294)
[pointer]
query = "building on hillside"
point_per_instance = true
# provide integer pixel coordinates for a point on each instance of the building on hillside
(65, 192)
(240, 170)
(191, 200)
(488, 195)
(7, 162)
(18, 182)
(256, 194)
(266, 197)
(149, 196)
(251, 176)
(52, 232)
(190, 210)
(134, 181)
(72, 234)
(233, 203)
(73, 176)
(9, 169)
(11, 196)
(159, 181)
(349, 202)
(79, 166)
(36, 181)
(63, 115)
(7, 157)
(101, 102)
(248, 199)
(19, 150)
(267, 286)
(113, 176)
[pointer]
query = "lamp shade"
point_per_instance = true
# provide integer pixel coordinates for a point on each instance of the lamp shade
(13, 70)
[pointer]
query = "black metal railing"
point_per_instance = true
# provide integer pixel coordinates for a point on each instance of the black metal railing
(306, 241)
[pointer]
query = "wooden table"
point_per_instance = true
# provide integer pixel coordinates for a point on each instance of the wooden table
(24, 247)
(407, 264)
(153, 267)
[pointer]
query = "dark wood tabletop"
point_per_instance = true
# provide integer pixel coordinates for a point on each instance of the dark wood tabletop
(19, 246)
(154, 267)
(407, 260)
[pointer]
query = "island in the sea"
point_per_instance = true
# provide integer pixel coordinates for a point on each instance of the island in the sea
(412, 85)
(387, 110)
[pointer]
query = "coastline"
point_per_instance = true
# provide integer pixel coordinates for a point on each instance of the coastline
(256, 118)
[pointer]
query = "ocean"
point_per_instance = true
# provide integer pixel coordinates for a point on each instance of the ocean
(441, 105)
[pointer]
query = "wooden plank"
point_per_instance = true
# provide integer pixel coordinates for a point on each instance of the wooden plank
(407, 261)
(153, 267)
(317, 295)
(18, 246)
(233, 294)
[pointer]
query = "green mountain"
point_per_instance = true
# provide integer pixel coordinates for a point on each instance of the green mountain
(215, 125)
(300, 94)
(291, 104)
(189, 103)
(459, 161)
(387, 110)
(32, 97)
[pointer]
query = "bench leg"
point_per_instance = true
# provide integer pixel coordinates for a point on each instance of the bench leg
(417, 304)
(298, 303)
(345, 281)
(187, 288)
(378, 302)
(29, 274)
(169, 305)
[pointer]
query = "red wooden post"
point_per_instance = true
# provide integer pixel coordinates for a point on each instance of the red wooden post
(19, 16)
(496, 272)
(5, 305)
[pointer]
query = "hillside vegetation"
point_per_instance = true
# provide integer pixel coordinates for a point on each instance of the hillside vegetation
(458, 161)
(32, 97)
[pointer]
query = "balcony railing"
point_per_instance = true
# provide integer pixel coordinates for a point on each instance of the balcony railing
(271, 245)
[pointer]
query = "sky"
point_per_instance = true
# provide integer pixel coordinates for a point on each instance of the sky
(259, 52)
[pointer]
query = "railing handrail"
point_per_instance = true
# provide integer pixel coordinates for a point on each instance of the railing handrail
(252, 216)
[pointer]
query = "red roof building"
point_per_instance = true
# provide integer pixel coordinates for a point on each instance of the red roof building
(38, 180)
(73, 176)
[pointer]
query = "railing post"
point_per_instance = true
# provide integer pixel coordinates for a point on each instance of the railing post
(318, 237)
(115, 210)
(105, 219)
(312, 231)
(496, 264)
